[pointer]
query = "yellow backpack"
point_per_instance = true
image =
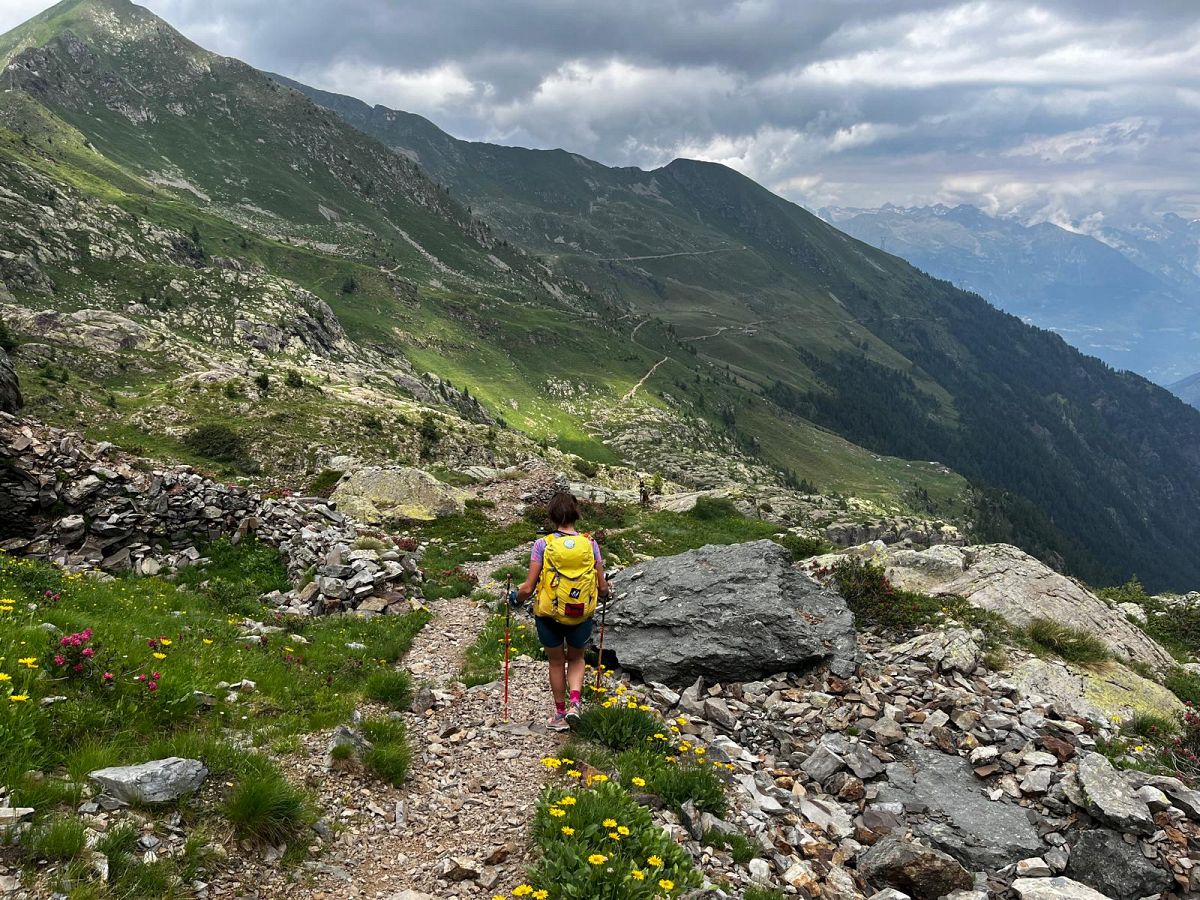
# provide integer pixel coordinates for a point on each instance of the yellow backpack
(567, 589)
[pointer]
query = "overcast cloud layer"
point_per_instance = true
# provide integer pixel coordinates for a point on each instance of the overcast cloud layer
(1075, 111)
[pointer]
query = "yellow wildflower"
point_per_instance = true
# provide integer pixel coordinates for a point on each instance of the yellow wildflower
(574, 773)
(568, 830)
(157, 655)
(4, 676)
(644, 707)
(522, 889)
(539, 895)
(550, 762)
(614, 835)
(600, 779)
(29, 662)
(666, 884)
(654, 861)
(699, 751)
(206, 641)
(609, 823)
(681, 721)
(567, 801)
(18, 698)
(557, 813)
(622, 831)
(166, 642)
(597, 859)
(638, 875)
(637, 782)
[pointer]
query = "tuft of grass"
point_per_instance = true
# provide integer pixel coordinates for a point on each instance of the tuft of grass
(755, 892)
(1152, 726)
(1184, 685)
(741, 848)
(1072, 644)
(267, 808)
(62, 838)
(325, 481)
(390, 686)
(390, 755)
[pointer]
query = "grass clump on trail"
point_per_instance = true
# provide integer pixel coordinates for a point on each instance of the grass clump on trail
(138, 662)
(389, 756)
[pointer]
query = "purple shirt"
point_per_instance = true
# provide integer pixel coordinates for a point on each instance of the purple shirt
(538, 553)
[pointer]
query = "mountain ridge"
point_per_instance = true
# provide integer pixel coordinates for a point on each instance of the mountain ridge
(688, 292)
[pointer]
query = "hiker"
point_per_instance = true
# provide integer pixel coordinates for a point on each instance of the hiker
(644, 491)
(566, 579)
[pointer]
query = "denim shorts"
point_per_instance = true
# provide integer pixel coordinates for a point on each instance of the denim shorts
(552, 633)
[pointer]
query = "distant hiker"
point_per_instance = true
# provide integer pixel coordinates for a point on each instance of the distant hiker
(644, 491)
(566, 579)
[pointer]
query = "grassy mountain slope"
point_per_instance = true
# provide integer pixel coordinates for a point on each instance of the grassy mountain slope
(854, 339)
(234, 208)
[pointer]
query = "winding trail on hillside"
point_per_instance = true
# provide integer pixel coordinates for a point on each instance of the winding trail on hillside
(633, 390)
(474, 781)
(670, 255)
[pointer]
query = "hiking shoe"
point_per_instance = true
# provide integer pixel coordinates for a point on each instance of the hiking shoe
(557, 722)
(574, 711)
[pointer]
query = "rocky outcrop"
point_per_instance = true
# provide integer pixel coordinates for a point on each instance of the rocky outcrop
(1008, 581)
(1100, 858)
(734, 612)
(158, 781)
(10, 389)
(83, 505)
(396, 494)
(1100, 693)
(919, 871)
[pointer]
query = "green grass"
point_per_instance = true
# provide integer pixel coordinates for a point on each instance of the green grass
(754, 892)
(267, 808)
(390, 686)
(63, 838)
(617, 727)
(736, 844)
(1071, 644)
(484, 659)
(307, 677)
(390, 756)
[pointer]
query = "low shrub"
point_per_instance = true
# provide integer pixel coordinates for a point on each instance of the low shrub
(267, 808)
(617, 727)
(1072, 644)
(586, 468)
(1184, 685)
(873, 599)
(216, 442)
(598, 842)
(804, 547)
(390, 686)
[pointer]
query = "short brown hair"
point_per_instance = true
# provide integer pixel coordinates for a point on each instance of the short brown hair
(563, 510)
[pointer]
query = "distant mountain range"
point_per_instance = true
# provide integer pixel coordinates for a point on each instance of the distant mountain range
(1129, 296)
(1189, 389)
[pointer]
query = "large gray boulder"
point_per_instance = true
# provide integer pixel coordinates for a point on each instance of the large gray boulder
(1059, 888)
(731, 613)
(949, 806)
(1101, 858)
(396, 494)
(10, 390)
(158, 781)
(1110, 798)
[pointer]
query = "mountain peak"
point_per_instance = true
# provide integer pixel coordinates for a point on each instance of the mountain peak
(119, 20)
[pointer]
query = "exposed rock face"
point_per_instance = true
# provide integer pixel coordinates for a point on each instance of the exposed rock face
(1109, 797)
(1097, 694)
(964, 822)
(920, 871)
(153, 782)
(737, 612)
(1008, 581)
(1101, 859)
(1059, 888)
(376, 495)
(10, 390)
(84, 505)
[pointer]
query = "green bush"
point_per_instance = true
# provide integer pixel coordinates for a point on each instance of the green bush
(586, 468)
(632, 859)
(673, 779)
(1184, 685)
(267, 808)
(391, 686)
(216, 442)
(8, 341)
(803, 547)
(617, 727)
(324, 483)
(873, 599)
(1072, 644)
(293, 379)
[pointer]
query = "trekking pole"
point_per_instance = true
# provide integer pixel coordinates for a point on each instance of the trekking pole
(600, 658)
(507, 624)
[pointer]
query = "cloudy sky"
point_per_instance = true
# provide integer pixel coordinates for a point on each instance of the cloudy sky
(1069, 110)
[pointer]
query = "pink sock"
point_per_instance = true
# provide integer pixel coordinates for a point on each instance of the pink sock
(574, 696)
(560, 708)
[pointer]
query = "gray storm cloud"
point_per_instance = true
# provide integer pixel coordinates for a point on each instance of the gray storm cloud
(1057, 110)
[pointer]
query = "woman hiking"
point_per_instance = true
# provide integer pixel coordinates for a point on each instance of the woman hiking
(566, 580)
